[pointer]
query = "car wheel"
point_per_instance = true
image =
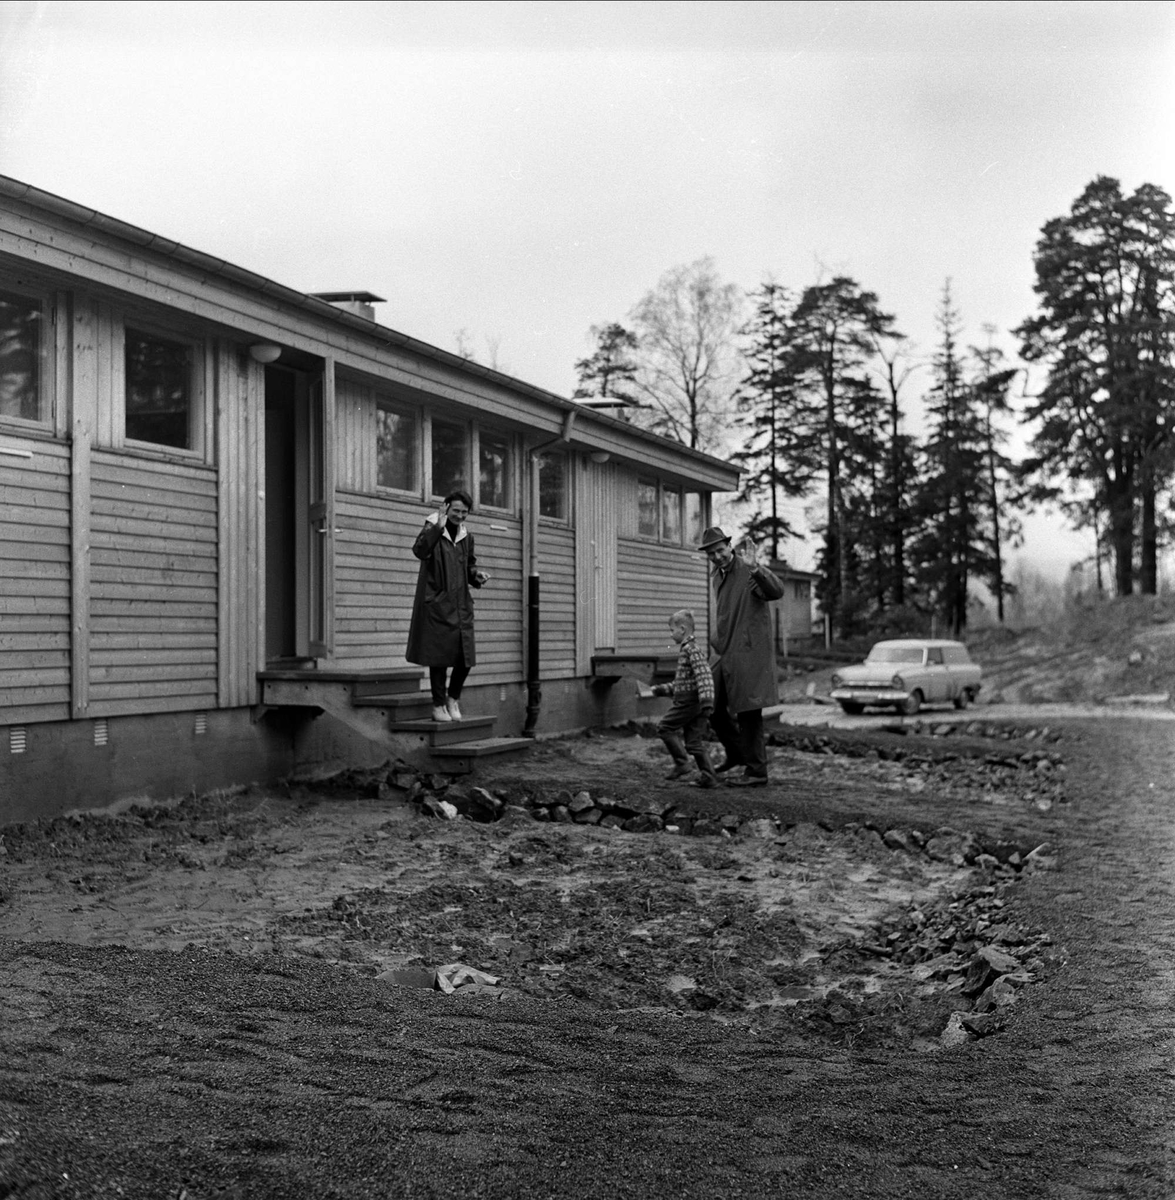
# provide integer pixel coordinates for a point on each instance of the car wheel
(963, 699)
(911, 704)
(854, 710)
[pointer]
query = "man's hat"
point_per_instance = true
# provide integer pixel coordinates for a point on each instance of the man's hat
(713, 537)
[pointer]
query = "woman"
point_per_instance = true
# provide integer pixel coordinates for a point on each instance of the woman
(441, 634)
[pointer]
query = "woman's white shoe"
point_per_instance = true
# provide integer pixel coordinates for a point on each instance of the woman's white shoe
(440, 712)
(454, 709)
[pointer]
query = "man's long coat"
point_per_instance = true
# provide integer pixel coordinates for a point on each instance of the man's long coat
(743, 640)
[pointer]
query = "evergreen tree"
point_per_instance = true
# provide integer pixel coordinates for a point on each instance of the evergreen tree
(776, 460)
(1105, 332)
(953, 545)
(837, 327)
(611, 369)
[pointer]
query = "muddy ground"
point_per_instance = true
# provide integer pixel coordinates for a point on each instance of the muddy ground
(935, 962)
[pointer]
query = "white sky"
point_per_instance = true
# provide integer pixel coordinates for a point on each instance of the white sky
(525, 170)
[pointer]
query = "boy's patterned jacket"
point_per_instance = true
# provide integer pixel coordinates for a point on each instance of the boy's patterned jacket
(693, 679)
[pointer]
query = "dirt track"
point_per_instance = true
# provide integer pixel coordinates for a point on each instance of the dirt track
(176, 1021)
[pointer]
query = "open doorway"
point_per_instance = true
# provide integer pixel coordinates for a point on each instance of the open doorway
(296, 518)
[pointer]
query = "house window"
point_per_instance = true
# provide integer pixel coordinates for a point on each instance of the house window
(396, 453)
(159, 392)
(646, 508)
(494, 470)
(450, 468)
(695, 517)
(671, 516)
(553, 486)
(21, 390)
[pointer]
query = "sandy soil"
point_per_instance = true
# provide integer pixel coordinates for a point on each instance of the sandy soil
(207, 999)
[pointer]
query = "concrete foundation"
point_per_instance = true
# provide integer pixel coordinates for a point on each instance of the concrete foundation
(63, 766)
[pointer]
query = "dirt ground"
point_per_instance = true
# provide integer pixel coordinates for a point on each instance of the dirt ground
(935, 962)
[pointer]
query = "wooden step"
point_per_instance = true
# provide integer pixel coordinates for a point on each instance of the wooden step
(400, 703)
(445, 733)
(461, 757)
(645, 665)
(399, 682)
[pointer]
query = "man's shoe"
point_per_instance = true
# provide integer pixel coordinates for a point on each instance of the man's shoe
(708, 781)
(745, 780)
(454, 709)
(728, 765)
(679, 772)
(440, 713)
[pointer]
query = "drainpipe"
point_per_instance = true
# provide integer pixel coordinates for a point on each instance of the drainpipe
(534, 692)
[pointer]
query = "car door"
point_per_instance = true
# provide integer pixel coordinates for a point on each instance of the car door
(938, 680)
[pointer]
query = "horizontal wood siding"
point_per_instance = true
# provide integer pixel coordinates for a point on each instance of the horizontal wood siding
(556, 602)
(34, 583)
(153, 594)
(375, 583)
(654, 581)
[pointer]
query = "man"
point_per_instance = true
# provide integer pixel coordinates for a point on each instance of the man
(744, 654)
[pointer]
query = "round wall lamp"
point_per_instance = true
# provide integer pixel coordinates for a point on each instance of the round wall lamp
(599, 456)
(264, 352)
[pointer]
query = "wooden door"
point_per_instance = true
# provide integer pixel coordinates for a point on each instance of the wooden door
(596, 519)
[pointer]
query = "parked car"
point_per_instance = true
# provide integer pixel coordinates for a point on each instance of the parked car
(907, 673)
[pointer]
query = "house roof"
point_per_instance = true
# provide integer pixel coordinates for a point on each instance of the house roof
(327, 313)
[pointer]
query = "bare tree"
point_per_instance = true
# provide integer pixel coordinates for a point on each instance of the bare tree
(687, 356)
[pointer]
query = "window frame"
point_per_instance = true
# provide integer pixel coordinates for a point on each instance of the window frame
(565, 458)
(413, 413)
(507, 440)
(466, 427)
(199, 409)
(48, 422)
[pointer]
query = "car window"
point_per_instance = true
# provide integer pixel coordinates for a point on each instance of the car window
(934, 656)
(956, 654)
(895, 654)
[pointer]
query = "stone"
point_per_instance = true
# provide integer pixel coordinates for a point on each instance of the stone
(580, 802)
(485, 799)
(730, 822)
(954, 1034)
(611, 821)
(898, 839)
(589, 816)
(564, 797)
(999, 960)
(704, 826)
(952, 846)
(442, 809)
(561, 814)
(760, 827)
(998, 994)
(982, 1024)
(644, 823)
(518, 814)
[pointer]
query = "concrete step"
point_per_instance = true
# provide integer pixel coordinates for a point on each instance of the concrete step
(445, 733)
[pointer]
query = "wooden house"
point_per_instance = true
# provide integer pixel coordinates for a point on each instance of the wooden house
(209, 488)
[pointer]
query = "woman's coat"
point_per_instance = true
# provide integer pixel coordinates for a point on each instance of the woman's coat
(743, 640)
(442, 613)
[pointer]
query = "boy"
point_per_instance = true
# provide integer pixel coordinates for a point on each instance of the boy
(692, 689)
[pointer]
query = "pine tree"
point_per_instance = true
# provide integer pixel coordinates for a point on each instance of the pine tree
(775, 457)
(954, 544)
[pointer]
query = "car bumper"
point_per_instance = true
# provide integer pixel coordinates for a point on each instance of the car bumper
(869, 695)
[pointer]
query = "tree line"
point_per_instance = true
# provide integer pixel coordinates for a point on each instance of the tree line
(809, 391)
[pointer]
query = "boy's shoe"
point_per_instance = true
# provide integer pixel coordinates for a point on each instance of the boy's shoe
(728, 765)
(454, 709)
(708, 781)
(679, 772)
(440, 713)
